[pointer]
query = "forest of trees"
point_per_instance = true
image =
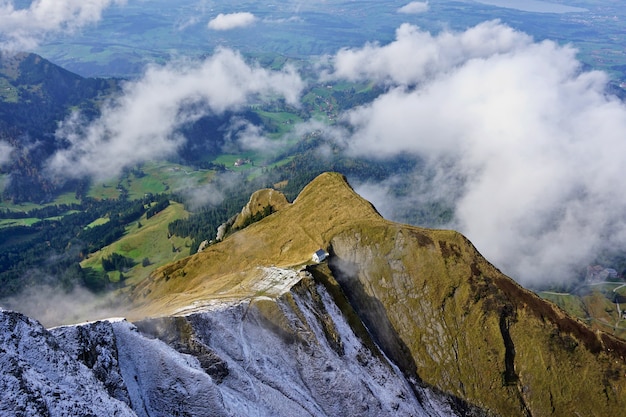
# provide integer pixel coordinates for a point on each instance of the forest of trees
(117, 262)
(50, 251)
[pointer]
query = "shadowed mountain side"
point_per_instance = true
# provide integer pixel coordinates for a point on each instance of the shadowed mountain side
(434, 305)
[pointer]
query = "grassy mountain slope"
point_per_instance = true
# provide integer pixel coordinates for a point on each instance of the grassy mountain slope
(436, 307)
(150, 240)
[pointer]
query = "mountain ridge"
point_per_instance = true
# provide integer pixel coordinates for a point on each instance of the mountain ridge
(458, 331)
(269, 242)
(423, 294)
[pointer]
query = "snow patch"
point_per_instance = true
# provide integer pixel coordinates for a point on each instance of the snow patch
(296, 357)
(276, 281)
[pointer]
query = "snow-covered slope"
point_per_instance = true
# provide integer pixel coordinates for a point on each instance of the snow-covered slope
(39, 377)
(295, 355)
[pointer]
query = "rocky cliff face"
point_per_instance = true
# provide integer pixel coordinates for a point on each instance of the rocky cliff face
(291, 355)
(40, 377)
(400, 321)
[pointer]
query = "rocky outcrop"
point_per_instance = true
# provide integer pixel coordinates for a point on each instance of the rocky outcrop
(262, 203)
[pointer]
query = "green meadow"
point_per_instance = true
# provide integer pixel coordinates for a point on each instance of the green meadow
(146, 238)
(151, 178)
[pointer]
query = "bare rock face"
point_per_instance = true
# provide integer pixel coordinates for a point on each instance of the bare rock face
(294, 355)
(39, 377)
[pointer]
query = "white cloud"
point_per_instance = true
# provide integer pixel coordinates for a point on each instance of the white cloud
(231, 21)
(534, 142)
(242, 135)
(5, 152)
(414, 7)
(415, 55)
(24, 28)
(141, 124)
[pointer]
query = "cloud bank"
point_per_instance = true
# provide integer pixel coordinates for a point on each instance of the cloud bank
(534, 143)
(141, 124)
(414, 7)
(231, 21)
(416, 56)
(25, 28)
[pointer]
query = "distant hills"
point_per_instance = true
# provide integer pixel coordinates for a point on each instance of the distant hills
(35, 95)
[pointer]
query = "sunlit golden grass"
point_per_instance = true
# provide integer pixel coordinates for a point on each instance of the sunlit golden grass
(285, 239)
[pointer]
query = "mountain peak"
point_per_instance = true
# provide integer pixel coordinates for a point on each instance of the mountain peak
(285, 239)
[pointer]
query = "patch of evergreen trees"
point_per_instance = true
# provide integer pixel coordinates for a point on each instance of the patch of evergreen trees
(117, 262)
(162, 203)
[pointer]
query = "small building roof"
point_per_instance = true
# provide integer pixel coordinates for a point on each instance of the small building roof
(319, 255)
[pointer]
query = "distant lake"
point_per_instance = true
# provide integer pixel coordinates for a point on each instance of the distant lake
(536, 6)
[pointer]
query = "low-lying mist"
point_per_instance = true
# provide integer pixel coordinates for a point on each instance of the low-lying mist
(527, 147)
(54, 306)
